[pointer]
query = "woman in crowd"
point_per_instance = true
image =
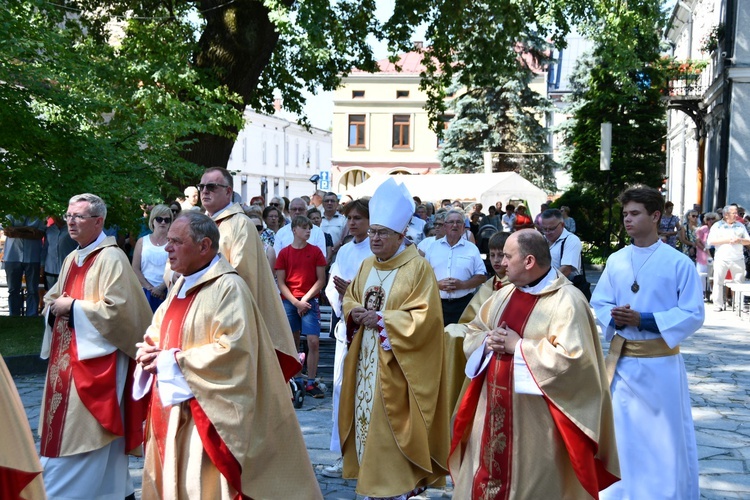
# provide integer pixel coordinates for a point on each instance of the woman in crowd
(702, 254)
(267, 247)
(568, 221)
(150, 257)
(272, 217)
(258, 201)
(687, 234)
(669, 225)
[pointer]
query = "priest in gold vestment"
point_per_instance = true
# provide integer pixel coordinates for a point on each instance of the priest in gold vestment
(221, 423)
(393, 418)
(95, 314)
(536, 419)
(242, 247)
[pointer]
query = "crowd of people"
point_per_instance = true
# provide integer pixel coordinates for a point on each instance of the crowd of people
(444, 364)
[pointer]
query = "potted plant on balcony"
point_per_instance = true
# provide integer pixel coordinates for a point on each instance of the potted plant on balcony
(710, 42)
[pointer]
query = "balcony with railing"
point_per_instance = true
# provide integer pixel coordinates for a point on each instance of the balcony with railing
(688, 80)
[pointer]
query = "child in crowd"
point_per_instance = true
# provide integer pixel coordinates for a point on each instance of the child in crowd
(301, 273)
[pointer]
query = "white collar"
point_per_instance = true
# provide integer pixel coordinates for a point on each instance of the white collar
(191, 280)
(536, 289)
(86, 251)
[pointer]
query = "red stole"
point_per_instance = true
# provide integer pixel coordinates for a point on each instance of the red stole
(171, 338)
(492, 479)
(95, 379)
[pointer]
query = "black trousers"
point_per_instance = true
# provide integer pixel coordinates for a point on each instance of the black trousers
(454, 308)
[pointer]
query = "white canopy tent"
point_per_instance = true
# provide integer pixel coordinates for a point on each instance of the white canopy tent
(486, 189)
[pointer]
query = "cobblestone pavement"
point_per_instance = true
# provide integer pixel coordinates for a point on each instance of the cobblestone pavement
(718, 364)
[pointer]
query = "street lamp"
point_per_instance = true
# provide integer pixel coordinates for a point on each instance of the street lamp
(314, 179)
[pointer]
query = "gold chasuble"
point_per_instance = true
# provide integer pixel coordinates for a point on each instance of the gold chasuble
(241, 245)
(20, 470)
(393, 418)
(85, 400)
(556, 445)
(238, 437)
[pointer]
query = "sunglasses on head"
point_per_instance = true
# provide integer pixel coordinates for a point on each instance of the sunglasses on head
(160, 220)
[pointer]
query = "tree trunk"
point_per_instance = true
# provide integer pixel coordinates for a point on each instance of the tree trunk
(235, 46)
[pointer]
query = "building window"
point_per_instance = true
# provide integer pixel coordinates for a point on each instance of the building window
(276, 147)
(401, 127)
(264, 148)
(244, 149)
(356, 131)
(296, 154)
(402, 94)
(358, 94)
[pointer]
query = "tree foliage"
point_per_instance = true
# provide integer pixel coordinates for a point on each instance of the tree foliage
(126, 97)
(102, 108)
(506, 118)
(621, 82)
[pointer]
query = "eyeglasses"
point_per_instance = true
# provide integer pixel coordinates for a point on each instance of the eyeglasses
(453, 222)
(330, 201)
(211, 186)
(162, 220)
(78, 217)
(438, 224)
(550, 229)
(259, 228)
(380, 233)
(272, 204)
(693, 216)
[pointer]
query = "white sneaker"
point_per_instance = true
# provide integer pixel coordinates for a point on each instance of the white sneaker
(335, 470)
(718, 308)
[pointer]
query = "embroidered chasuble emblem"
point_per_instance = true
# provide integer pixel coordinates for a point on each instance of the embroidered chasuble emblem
(375, 296)
(94, 379)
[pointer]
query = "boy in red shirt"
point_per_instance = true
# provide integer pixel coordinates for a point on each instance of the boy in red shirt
(301, 274)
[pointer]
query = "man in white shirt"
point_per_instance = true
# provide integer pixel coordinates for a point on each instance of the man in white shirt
(333, 222)
(458, 267)
(565, 247)
(727, 237)
(284, 236)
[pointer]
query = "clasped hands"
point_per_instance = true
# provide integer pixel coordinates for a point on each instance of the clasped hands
(625, 316)
(449, 284)
(501, 340)
(61, 306)
(147, 354)
(365, 317)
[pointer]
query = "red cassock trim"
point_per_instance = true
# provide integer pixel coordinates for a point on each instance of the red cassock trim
(13, 481)
(216, 449)
(590, 471)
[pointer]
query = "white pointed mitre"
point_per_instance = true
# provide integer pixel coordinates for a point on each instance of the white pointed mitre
(391, 206)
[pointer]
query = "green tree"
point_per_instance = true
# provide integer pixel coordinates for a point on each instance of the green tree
(126, 97)
(621, 82)
(504, 118)
(104, 112)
